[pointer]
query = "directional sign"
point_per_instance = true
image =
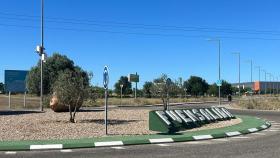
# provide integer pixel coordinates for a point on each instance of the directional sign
(219, 83)
(15, 81)
(106, 77)
(133, 77)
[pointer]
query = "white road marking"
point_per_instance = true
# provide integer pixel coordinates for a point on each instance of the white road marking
(163, 145)
(233, 133)
(199, 142)
(276, 123)
(118, 148)
(10, 153)
(272, 130)
(66, 151)
(113, 143)
(241, 137)
(161, 140)
(221, 140)
(202, 137)
(47, 146)
(259, 134)
(253, 130)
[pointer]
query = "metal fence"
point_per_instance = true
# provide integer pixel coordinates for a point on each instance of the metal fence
(18, 101)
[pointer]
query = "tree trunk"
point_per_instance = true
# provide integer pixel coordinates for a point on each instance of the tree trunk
(71, 116)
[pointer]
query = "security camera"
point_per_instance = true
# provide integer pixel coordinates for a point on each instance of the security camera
(44, 57)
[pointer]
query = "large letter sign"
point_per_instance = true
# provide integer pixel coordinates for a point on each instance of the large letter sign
(171, 121)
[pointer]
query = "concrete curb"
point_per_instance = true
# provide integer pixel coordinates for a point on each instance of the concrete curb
(93, 144)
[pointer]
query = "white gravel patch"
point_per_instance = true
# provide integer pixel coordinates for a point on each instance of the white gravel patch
(51, 125)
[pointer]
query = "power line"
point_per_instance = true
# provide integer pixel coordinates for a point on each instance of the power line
(139, 26)
(138, 33)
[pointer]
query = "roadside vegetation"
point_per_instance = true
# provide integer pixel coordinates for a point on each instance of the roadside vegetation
(67, 86)
(259, 103)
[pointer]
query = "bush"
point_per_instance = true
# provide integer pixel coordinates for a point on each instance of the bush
(71, 89)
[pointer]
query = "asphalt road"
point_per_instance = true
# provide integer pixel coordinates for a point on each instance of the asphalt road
(259, 145)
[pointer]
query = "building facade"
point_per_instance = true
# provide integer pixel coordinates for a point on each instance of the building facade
(260, 86)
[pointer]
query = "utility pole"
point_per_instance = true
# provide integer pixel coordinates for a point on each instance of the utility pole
(277, 86)
(121, 92)
(259, 79)
(272, 84)
(251, 63)
(219, 58)
(42, 44)
(237, 53)
(270, 78)
(41, 52)
(265, 85)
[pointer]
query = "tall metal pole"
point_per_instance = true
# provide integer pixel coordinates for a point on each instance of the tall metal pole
(259, 79)
(121, 92)
(277, 86)
(265, 83)
(106, 111)
(239, 91)
(251, 64)
(219, 42)
(219, 71)
(251, 71)
(239, 74)
(42, 51)
(272, 84)
(136, 88)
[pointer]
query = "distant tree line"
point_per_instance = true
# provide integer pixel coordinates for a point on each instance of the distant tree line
(194, 86)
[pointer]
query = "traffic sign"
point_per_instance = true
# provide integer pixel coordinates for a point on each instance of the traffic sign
(106, 77)
(219, 83)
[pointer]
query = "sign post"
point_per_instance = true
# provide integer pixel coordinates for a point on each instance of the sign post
(105, 83)
(121, 92)
(219, 84)
(168, 83)
(134, 78)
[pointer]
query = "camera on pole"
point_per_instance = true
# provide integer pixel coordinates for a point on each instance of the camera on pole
(41, 52)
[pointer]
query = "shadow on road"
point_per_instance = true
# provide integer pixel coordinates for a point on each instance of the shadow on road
(18, 112)
(110, 122)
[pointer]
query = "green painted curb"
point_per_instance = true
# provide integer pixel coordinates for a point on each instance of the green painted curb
(249, 125)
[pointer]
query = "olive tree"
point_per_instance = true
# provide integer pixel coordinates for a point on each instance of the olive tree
(71, 89)
(161, 88)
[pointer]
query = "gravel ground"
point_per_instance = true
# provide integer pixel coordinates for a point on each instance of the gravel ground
(51, 125)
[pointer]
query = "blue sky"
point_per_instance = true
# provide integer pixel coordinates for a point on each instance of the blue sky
(144, 36)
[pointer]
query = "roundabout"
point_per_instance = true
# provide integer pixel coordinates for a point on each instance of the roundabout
(247, 125)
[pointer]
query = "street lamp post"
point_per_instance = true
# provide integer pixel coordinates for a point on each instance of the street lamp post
(251, 63)
(277, 86)
(239, 91)
(270, 79)
(272, 84)
(121, 92)
(219, 47)
(259, 79)
(185, 90)
(265, 85)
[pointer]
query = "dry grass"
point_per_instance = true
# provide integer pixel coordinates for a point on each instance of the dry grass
(260, 103)
(34, 101)
(145, 101)
(17, 102)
